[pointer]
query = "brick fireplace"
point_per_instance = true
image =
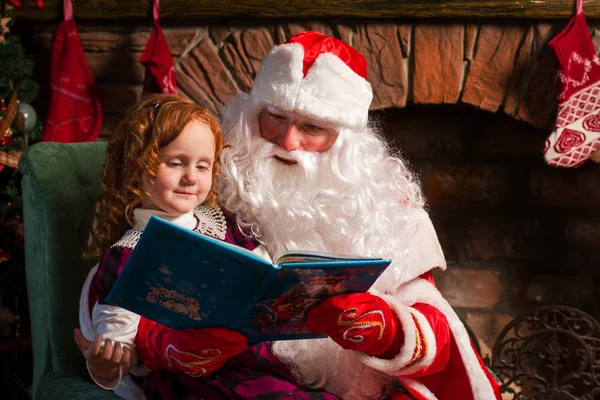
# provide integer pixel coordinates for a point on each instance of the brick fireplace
(469, 104)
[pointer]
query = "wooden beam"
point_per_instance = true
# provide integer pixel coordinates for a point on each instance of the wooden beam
(270, 9)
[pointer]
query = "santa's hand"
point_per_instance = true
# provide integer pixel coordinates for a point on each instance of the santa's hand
(196, 352)
(358, 321)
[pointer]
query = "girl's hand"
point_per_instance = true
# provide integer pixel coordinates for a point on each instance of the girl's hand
(104, 362)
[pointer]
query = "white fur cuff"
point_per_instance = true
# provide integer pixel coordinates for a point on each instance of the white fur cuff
(419, 348)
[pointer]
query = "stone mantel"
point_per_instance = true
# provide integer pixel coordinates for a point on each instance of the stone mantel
(493, 66)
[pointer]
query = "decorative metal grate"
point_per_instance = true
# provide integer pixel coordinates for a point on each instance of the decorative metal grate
(549, 353)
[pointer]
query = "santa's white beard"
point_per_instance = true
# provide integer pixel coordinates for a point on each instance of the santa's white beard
(352, 199)
(301, 206)
(356, 198)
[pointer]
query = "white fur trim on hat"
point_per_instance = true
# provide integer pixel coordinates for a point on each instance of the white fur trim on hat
(331, 91)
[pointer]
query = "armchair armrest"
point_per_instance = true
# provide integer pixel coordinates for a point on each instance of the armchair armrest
(61, 183)
(60, 386)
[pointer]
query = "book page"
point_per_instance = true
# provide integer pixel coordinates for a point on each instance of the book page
(300, 256)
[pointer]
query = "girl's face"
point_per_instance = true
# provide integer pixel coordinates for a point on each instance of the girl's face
(185, 172)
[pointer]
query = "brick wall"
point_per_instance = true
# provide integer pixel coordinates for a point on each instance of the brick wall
(516, 233)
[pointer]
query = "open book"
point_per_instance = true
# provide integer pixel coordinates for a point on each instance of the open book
(183, 279)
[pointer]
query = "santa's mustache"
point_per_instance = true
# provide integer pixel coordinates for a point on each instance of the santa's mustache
(266, 151)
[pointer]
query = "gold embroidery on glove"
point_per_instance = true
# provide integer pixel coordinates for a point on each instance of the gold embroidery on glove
(354, 321)
(206, 356)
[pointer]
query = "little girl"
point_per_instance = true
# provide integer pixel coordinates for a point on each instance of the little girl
(162, 160)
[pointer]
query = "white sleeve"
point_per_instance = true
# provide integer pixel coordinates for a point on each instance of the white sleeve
(119, 325)
(115, 323)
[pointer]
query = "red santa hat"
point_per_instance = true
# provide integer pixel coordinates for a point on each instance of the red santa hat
(317, 76)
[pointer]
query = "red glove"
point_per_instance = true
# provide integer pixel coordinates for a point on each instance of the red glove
(196, 352)
(360, 322)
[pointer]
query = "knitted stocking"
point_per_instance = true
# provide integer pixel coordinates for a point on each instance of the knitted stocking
(577, 132)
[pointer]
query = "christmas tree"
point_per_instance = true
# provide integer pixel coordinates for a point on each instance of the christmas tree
(18, 129)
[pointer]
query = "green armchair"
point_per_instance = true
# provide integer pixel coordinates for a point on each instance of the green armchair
(61, 183)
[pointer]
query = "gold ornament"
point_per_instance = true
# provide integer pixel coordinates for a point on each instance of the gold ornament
(11, 112)
(10, 159)
(4, 29)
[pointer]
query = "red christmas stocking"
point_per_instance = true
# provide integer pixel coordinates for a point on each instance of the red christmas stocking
(75, 112)
(577, 132)
(160, 74)
(17, 3)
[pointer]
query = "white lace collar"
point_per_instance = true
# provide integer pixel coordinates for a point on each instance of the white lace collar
(141, 216)
(208, 221)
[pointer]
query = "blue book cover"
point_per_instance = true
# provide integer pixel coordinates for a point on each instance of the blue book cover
(182, 279)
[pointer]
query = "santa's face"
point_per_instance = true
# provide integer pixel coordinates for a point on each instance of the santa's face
(299, 199)
(291, 131)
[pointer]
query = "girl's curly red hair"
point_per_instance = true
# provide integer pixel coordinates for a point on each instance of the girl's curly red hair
(133, 155)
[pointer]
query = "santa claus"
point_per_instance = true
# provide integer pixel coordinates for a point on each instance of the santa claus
(306, 170)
